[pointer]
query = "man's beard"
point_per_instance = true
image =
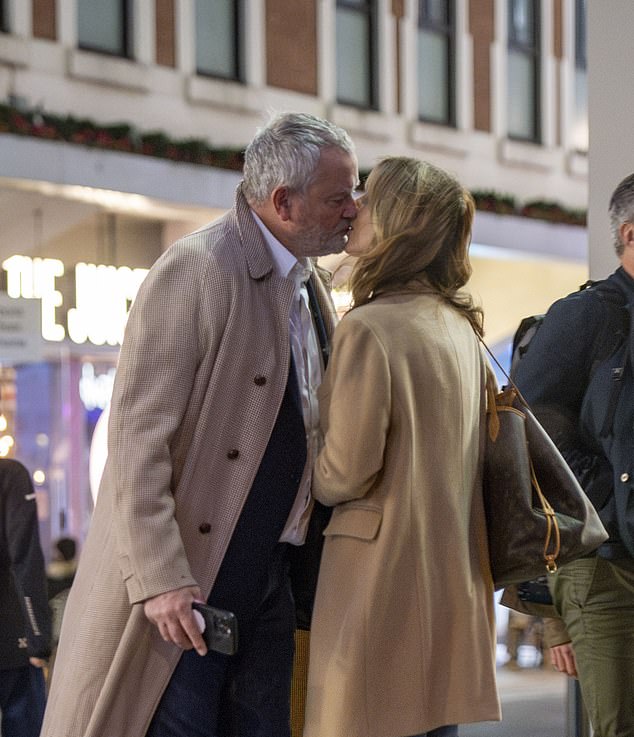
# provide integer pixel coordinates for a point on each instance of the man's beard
(314, 241)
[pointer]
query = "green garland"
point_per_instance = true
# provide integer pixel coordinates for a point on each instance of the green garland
(124, 137)
(504, 204)
(119, 137)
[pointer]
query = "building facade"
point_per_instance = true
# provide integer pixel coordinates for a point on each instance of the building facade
(121, 126)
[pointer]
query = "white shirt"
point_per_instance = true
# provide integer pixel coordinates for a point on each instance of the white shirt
(309, 369)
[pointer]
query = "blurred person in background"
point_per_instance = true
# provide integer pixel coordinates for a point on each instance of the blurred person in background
(25, 629)
(60, 573)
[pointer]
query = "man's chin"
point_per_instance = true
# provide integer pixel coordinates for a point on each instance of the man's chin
(335, 246)
(325, 247)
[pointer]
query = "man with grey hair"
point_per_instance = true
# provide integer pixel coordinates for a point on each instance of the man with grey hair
(212, 431)
(578, 376)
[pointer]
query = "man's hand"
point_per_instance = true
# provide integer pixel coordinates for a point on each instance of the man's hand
(38, 662)
(563, 659)
(172, 613)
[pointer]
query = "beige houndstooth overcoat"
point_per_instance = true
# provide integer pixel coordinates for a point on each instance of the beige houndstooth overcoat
(201, 375)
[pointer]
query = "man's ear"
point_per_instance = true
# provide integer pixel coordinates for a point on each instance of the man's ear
(626, 233)
(281, 198)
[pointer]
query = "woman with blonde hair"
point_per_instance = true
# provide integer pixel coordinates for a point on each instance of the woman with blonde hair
(403, 634)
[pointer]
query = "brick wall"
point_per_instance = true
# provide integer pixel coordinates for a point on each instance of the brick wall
(482, 27)
(291, 45)
(44, 19)
(165, 33)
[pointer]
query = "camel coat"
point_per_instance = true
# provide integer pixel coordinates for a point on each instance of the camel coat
(403, 634)
(201, 376)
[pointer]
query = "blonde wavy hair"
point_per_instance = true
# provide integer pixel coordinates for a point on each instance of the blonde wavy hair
(422, 219)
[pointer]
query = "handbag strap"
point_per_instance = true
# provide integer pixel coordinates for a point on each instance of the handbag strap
(504, 372)
(553, 536)
(552, 526)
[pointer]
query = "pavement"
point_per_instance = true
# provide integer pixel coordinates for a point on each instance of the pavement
(534, 704)
(530, 683)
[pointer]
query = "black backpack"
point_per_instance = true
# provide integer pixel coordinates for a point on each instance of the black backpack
(606, 341)
(605, 345)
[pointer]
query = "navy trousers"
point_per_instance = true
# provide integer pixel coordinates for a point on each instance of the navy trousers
(244, 695)
(22, 701)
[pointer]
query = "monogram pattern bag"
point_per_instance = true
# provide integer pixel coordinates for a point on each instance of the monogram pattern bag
(538, 516)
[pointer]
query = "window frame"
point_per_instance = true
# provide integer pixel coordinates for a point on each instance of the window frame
(580, 143)
(126, 35)
(4, 16)
(238, 61)
(581, 35)
(369, 9)
(448, 30)
(533, 52)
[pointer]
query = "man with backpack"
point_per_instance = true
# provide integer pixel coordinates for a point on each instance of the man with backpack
(577, 375)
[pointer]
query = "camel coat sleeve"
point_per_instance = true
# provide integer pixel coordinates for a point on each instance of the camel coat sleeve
(338, 476)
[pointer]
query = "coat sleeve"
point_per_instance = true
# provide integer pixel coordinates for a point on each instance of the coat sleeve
(355, 406)
(555, 632)
(26, 558)
(157, 368)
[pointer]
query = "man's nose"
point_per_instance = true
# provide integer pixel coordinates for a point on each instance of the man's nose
(350, 210)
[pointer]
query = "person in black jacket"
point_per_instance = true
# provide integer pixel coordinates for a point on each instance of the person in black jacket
(25, 632)
(577, 374)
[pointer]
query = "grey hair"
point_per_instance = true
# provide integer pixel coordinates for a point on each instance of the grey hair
(286, 151)
(621, 210)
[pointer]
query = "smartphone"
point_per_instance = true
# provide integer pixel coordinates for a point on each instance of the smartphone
(219, 628)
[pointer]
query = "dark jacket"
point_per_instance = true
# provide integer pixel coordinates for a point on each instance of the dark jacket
(567, 374)
(24, 613)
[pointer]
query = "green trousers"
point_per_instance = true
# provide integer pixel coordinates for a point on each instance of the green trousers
(595, 598)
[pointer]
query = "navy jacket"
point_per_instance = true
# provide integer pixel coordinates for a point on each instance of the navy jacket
(25, 621)
(567, 376)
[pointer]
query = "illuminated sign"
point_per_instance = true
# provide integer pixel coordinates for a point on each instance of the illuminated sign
(20, 321)
(103, 295)
(95, 390)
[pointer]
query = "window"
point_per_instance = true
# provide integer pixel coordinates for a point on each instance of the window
(436, 61)
(4, 16)
(218, 25)
(105, 26)
(356, 53)
(523, 70)
(580, 112)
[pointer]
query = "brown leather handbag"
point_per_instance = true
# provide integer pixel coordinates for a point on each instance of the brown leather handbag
(538, 516)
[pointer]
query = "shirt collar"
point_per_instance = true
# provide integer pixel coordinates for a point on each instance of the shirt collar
(285, 264)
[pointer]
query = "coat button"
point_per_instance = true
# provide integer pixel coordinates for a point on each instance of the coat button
(625, 477)
(205, 528)
(259, 380)
(233, 454)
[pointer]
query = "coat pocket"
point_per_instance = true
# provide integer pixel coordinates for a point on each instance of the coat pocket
(360, 522)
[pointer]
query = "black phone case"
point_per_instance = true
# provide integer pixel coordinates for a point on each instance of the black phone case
(221, 628)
